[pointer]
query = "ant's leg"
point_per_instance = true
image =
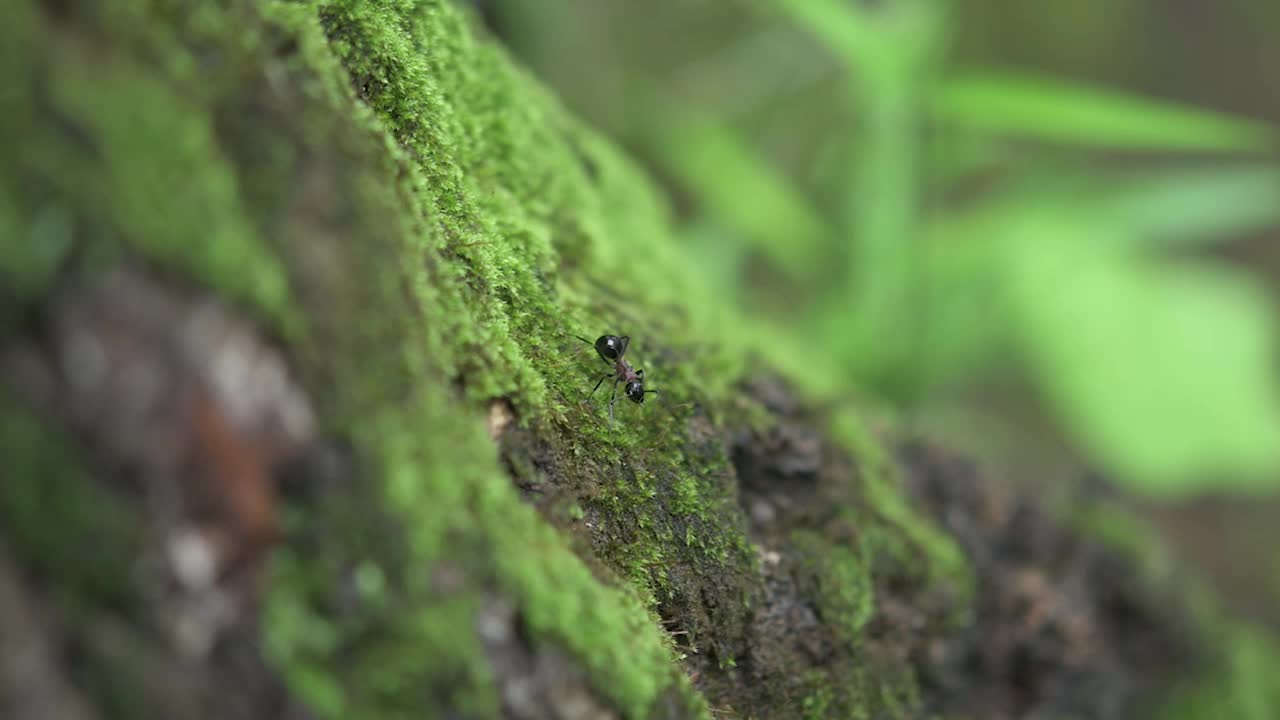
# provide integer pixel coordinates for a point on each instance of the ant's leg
(598, 383)
(613, 397)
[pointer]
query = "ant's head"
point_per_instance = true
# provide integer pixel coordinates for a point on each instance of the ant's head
(635, 391)
(635, 388)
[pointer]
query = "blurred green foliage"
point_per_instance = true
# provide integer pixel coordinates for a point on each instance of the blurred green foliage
(898, 221)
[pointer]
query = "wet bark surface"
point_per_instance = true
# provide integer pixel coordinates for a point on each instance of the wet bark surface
(1063, 627)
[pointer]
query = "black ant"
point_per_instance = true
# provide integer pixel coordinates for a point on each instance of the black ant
(611, 348)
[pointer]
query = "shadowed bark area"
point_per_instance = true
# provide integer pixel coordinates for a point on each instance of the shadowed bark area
(292, 422)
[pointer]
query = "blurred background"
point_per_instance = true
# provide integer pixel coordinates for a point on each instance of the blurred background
(1045, 232)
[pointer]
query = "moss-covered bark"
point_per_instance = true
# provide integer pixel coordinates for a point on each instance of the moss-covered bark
(293, 423)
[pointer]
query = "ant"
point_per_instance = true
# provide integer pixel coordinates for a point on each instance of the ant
(611, 348)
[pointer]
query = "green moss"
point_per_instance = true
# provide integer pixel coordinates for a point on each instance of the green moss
(130, 159)
(148, 139)
(818, 704)
(416, 217)
(842, 576)
(497, 311)
(903, 534)
(839, 577)
(685, 499)
(52, 513)
(161, 171)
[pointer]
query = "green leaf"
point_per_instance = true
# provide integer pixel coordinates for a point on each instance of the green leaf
(738, 187)
(1171, 207)
(1052, 110)
(880, 43)
(1164, 374)
(1184, 207)
(840, 27)
(964, 325)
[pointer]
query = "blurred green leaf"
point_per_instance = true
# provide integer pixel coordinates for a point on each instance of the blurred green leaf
(717, 253)
(736, 185)
(1192, 206)
(1174, 207)
(1165, 375)
(960, 158)
(963, 323)
(839, 26)
(1053, 110)
(884, 43)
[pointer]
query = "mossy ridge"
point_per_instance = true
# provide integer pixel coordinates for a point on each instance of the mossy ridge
(518, 191)
(442, 488)
(514, 343)
(458, 498)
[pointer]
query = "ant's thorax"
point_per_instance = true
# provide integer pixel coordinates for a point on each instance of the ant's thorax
(624, 370)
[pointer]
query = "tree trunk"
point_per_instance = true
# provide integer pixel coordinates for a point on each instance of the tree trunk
(293, 424)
